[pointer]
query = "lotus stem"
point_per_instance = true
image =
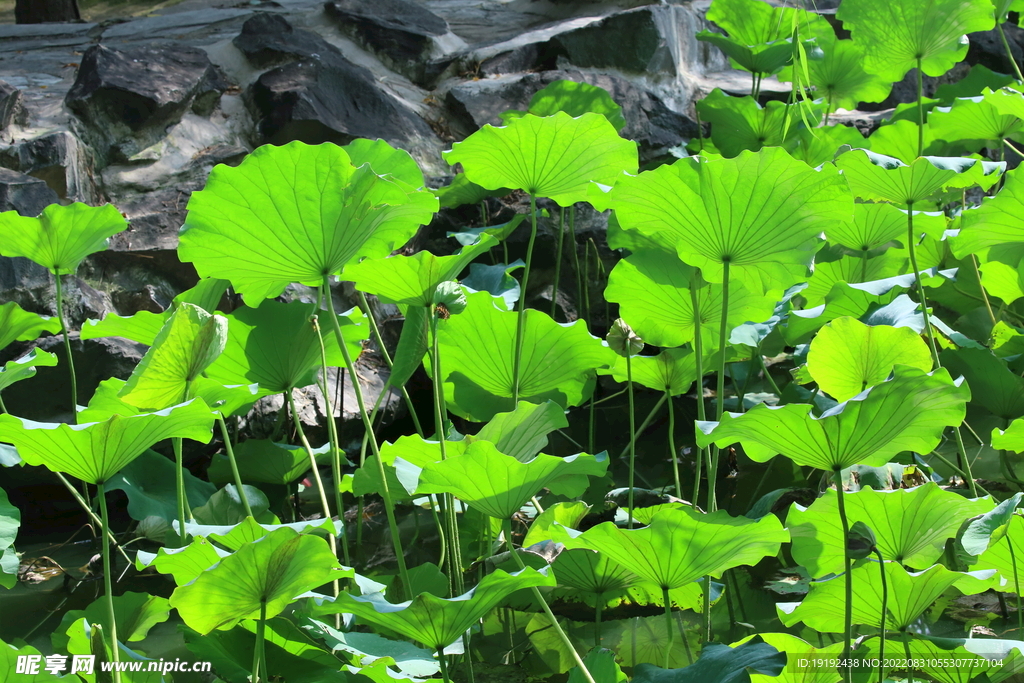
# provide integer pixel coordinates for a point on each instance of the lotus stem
(586, 284)
(558, 261)
(668, 626)
(523, 294)
(920, 112)
(984, 294)
(885, 607)
(910, 657)
(375, 330)
(632, 434)
(837, 477)
(698, 351)
(67, 346)
(107, 582)
(672, 441)
(389, 506)
(3, 408)
(92, 515)
(229, 449)
(597, 619)
(644, 424)
(506, 525)
(179, 481)
(444, 665)
(1009, 52)
(723, 338)
(259, 657)
(576, 260)
(1016, 584)
(707, 608)
(768, 375)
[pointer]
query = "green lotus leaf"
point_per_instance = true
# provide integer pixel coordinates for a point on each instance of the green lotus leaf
(277, 347)
(95, 452)
(1012, 439)
(1000, 278)
(411, 280)
(839, 76)
(876, 177)
(499, 485)
(553, 156)
(1002, 7)
(270, 572)
(225, 507)
(681, 545)
(751, 22)
(1008, 101)
(17, 324)
(847, 356)
(898, 139)
(565, 513)
(149, 483)
(957, 660)
(602, 665)
(720, 663)
(874, 225)
(61, 236)
(911, 525)
(523, 432)
(370, 647)
(403, 461)
(762, 213)
(476, 352)
(995, 222)
(815, 146)
(742, 123)
(385, 160)
(766, 58)
(672, 370)
(910, 594)
(412, 345)
(296, 213)
(437, 622)
(248, 530)
(134, 613)
(905, 413)
(188, 343)
(10, 520)
(975, 122)
(974, 83)
(852, 268)
(592, 572)
(262, 461)
(795, 648)
(992, 383)
(183, 564)
(575, 99)
(9, 657)
(652, 289)
(462, 191)
(25, 367)
(897, 35)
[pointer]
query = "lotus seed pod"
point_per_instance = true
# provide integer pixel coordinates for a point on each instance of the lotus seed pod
(622, 334)
(450, 297)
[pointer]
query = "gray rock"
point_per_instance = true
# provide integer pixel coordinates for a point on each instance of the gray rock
(12, 106)
(61, 160)
(639, 37)
(24, 194)
(269, 40)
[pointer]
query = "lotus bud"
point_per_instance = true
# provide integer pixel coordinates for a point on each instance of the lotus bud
(450, 299)
(622, 334)
(861, 541)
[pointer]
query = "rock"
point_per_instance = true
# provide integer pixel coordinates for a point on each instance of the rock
(59, 159)
(129, 98)
(24, 194)
(986, 47)
(12, 106)
(269, 40)
(403, 34)
(639, 37)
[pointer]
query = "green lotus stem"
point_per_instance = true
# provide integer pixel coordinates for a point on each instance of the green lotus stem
(67, 347)
(597, 619)
(632, 434)
(768, 375)
(885, 607)
(1009, 52)
(920, 111)
(506, 525)
(558, 261)
(586, 284)
(591, 426)
(444, 665)
(259, 657)
(92, 515)
(707, 608)
(698, 351)
(107, 583)
(3, 408)
(837, 477)
(386, 355)
(523, 294)
(389, 506)
(229, 449)
(668, 625)
(723, 338)
(1016, 584)
(1013, 147)
(643, 425)
(179, 484)
(984, 294)
(575, 258)
(906, 651)
(672, 442)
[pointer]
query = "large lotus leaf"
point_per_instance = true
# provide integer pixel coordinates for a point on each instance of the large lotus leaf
(523, 432)
(150, 485)
(17, 324)
(752, 22)
(996, 221)
(766, 58)
(847, 356)
(1012, 439)
(998, 554)
(183, 564)
(992, 383)
(263, 461)
(911, 526)
(370, 647)
(720, 663)
(134, 613)
(188, 343)
(840, 79)
(10, 656)
(277, 347)
(973, 123)
(905, 413)
(652, 289)
(575, 99)
(296, 213)
(385, 160)
(681, 545)
(553, 156)
(438, 622)
(1002, 272)
(591, 572)
(411, 280)
(762, 213)
(271, 572)
(987, 528)
(876, 224)
(403, 460)
(815, 146)
(742, 123)
(225, 507)
(462, 191)
(956, 660)
(62, 235)
(477, 354)
(24, 367)
(897, 35)
(565, 514)
(499, 485)
(412, 345)
(876, 177)
(672, 370)
(910, 594)
(248, 530)
(898, 139)
(796, 648)
(852, 268)
(10, 520)
(95, 452)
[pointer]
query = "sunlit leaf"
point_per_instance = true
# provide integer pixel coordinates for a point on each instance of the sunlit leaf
(61, 236)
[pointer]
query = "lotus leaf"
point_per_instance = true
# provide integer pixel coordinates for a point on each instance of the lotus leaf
(134, 613)
(523, 432)
(9, 655)
(61, 236)
(949, 660)
(720, 663)
(17, 324)
(672, 370)
(995, 222)
(575, 99)
(992, 384)
(10, 520)
(1008, 539)
(263, 461)
(183, 564)
(25, 367)
(839, 76)
(874, 225)
(791, 645)
(149, 483)
(742, 123)
(385, 160)
(975, 122)
(553, 156)
(876, 177)
(370, 647)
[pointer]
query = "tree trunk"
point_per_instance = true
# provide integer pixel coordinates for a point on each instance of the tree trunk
(44, 11)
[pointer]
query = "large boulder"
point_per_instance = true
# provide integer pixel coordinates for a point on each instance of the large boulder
(59, 159)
